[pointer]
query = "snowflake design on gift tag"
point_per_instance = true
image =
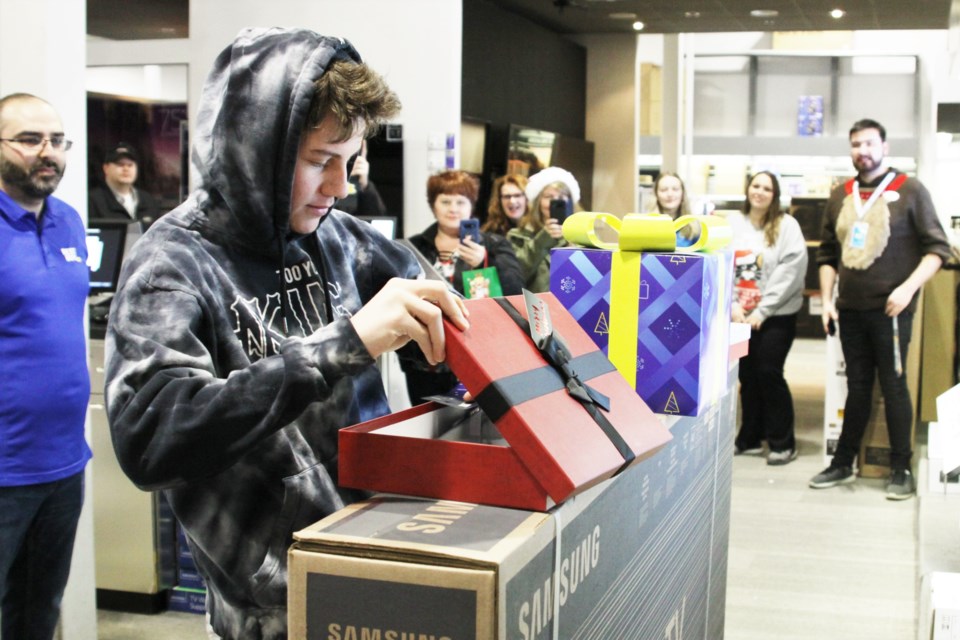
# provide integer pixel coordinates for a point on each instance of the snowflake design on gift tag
(671, 325)
(568, 284)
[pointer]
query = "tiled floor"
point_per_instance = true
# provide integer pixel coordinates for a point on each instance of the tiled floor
(803, 565)
(817, 565)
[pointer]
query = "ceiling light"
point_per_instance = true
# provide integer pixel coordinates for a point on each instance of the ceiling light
(764, 13)
(691, 14)
(836, 14)
(623, 15)
(638, 26)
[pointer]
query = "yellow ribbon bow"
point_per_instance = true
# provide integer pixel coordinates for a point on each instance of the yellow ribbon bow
(646, 231)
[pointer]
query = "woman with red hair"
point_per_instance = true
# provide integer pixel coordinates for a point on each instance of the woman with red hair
(452, 196)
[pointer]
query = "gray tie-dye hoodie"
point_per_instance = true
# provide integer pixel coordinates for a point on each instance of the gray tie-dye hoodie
(227, 377)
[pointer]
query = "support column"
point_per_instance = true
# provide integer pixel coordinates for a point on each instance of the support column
(671, 140)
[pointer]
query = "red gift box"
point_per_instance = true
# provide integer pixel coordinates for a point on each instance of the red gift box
(554, 446)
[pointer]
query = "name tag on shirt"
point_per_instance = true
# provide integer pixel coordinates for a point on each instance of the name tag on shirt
(858, 236)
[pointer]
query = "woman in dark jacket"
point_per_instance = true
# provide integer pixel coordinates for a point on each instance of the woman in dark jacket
(452, 196)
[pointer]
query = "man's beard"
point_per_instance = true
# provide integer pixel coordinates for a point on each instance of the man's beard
(867, 164)
(27, 182)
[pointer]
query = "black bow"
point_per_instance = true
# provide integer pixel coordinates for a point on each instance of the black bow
(558, 356)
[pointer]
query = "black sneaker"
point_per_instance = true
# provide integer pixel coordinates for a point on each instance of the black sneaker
(831, 477)
(901, 485)
(751, 451)
(777, 458)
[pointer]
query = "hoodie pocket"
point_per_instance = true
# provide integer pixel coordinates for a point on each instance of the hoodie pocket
(307, 497)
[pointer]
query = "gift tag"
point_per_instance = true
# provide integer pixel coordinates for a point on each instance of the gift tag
(858, 235)
(538, 316)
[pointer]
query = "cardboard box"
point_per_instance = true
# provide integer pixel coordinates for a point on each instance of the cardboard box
(188, 600)
(940, 606)
(552, 446)
(939, 348)
(943, 465)
(643, 555)
(673, 348)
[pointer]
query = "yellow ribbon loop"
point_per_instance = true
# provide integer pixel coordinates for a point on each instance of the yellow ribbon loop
(645, 231)
(715, 232)
(581, 228)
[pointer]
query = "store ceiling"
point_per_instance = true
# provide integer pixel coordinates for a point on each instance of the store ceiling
(138, 19)
(146, 19)
(692, 16)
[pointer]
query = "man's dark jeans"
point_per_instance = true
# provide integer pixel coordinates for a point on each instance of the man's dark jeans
(38, 523)
(867, 341)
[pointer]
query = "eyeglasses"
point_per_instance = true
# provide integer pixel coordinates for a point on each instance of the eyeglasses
(35, 143)
(510, 196)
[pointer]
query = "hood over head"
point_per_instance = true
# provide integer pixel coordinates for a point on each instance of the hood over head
(253, 110)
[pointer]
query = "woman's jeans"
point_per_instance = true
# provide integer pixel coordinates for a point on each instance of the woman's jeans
(766, 406)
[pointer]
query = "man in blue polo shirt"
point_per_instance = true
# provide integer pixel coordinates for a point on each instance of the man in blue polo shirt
(44, 383)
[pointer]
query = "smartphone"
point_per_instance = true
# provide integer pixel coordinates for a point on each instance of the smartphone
(560, 209)
(470, 228)
(831, 327)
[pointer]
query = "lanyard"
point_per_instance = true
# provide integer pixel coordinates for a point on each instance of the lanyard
(858, 204)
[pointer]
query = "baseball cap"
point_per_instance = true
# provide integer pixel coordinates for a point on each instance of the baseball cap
(122, 150)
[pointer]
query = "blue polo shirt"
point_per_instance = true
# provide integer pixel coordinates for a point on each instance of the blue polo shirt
(44, 382)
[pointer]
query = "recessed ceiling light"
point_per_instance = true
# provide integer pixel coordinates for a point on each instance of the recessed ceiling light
(623, 15)
(836, 14)
(764, 13)
(691, 14)
(638, 26)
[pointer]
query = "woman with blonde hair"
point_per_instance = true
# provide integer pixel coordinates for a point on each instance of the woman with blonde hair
(671, 195)
(508, 203)
(539, 230)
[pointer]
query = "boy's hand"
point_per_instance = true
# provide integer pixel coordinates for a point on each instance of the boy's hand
(406, 310)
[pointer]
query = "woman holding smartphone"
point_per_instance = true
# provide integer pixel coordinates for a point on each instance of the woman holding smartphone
(452, 196)
(553, 193)
(508, 203)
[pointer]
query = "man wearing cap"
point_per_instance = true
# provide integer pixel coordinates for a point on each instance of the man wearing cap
(119, 199)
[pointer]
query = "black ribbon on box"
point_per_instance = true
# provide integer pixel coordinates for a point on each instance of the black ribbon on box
(563, 372)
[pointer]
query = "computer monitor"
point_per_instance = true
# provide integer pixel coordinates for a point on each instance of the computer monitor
(105, 248)
(387, 225)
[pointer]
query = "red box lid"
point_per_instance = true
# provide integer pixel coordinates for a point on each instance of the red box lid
(552, 433)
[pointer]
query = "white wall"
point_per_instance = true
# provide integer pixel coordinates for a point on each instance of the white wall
(43, 52)
(153, 82)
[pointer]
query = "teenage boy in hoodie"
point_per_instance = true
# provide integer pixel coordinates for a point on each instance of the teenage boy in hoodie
(246, 326)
